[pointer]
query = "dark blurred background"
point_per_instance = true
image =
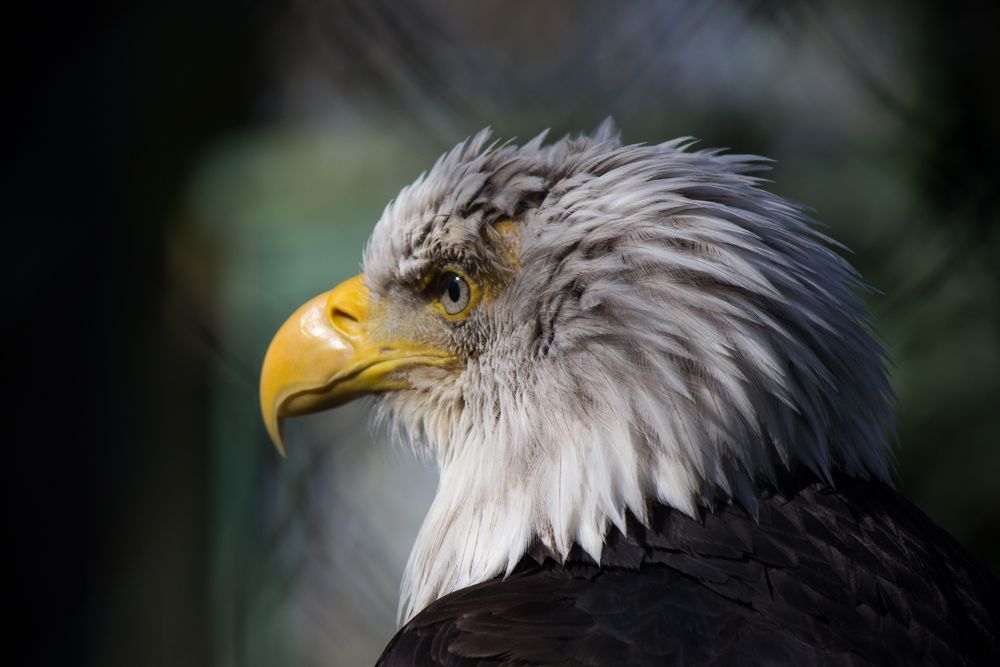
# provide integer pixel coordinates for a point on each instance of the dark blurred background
(183, 175)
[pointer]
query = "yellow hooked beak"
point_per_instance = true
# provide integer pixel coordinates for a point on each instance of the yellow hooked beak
(323, 356)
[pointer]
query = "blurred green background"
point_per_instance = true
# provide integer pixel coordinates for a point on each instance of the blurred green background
(229, 161)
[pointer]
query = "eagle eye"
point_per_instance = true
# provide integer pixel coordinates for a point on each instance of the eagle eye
(453, 293)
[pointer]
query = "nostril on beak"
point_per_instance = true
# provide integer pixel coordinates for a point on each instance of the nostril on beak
(344, 321)
(347, 307)
(339, 314)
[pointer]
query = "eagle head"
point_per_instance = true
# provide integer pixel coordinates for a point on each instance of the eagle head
(580, 330)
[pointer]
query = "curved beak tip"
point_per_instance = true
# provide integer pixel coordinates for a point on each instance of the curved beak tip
(273, 426)
(273, 386)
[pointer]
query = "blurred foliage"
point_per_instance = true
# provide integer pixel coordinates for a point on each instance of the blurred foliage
(881, 117)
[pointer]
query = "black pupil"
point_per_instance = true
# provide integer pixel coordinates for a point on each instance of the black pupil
(453, 285)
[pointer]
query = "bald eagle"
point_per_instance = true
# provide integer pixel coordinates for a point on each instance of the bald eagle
(661, 416)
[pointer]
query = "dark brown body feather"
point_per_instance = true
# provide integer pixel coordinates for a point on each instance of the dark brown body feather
(856, 575)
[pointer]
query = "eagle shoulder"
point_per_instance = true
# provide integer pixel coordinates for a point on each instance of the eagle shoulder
(847, 575)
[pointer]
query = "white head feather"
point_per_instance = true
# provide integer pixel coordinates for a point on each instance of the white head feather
(672, 333)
